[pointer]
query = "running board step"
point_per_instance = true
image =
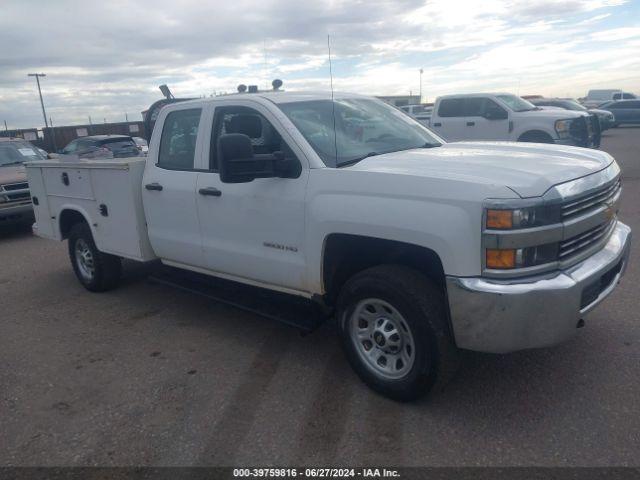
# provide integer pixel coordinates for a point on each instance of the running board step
(298, 312)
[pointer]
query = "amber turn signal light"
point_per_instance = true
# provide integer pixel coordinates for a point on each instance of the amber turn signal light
(499, 219)
(501, 259)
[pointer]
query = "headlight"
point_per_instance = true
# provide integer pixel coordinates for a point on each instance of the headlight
(508, 219)
(563, 127)
(501, 223)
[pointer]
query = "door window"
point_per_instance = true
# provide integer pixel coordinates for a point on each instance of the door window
(71, 147)
(265, 139)
(178, 141)
(626, 105)
(473, 107)
(493, 111)
(451, 107)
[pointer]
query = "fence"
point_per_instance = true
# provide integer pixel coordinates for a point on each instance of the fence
(53, 139)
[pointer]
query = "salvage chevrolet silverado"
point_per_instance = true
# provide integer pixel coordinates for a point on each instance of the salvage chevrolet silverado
(422, 247)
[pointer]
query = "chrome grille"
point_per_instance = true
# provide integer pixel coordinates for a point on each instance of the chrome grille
(585, 240)
(15, 186)
(575, 207)
(15, 192)
(14, 197)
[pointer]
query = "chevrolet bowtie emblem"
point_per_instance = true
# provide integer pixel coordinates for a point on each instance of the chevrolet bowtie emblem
(609, 211)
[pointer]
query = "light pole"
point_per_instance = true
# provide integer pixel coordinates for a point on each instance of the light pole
(420, 85)
(38, 75)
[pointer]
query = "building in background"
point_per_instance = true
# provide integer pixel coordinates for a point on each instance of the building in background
(400, 100)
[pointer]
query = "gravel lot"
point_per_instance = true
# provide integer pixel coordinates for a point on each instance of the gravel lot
(150, 375)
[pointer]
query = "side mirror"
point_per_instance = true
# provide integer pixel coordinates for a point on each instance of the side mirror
(496, 115)
(236, 161)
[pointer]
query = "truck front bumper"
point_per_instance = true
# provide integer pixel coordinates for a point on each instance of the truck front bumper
(500, 316)
(10, 213)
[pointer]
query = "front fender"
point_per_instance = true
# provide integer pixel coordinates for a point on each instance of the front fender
(447, 221)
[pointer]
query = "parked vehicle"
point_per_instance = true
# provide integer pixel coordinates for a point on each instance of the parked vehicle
(625, 111)
(421, 113)
(15, 199)
(102, 146)
(595, 98)
(503, 116)
(605, 118)
(142, 145)
(421, 247)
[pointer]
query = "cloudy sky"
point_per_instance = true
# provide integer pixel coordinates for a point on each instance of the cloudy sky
(106, 58)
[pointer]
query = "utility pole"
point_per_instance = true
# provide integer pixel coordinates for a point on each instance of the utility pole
(126, 117)
(421, 85)
(38, 75)
(6, 129)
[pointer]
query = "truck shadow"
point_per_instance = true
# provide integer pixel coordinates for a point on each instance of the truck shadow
(15, 231)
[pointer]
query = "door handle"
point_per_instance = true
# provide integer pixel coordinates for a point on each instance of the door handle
(470, 124)
(210, 191)
(153, 186)
(437, 124)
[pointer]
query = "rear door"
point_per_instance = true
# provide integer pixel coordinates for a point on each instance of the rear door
(449, 121)
(169, 187)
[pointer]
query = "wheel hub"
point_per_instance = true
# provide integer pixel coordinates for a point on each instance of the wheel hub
(84, 259)
(382, 338)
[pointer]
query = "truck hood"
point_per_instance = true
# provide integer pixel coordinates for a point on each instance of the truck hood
(12, 174)
(553, 113)
(529, 169)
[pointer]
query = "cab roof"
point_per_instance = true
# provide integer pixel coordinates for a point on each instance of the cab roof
(479, 94)
(283, 96)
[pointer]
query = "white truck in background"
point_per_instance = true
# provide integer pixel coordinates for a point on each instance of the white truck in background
(421, 247)
(504, 116)
(595, 98)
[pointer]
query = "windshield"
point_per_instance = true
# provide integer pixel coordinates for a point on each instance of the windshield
(15, 153)
(573, 105)
(363, 127)
(516, 103)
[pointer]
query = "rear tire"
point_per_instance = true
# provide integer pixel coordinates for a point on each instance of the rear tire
(96, 271)
(394, 331)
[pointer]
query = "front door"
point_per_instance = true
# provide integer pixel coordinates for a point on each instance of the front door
(254, 230)
(485, 119)
(169, 188)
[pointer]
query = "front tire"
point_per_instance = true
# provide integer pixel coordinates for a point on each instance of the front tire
(394, 331)
(535, 136)
(96, 271)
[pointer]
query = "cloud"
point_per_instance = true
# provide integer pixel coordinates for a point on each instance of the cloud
(107, 58)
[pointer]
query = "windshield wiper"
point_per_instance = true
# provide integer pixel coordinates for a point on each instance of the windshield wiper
(11, 163)
(356, 160)
(431, 145)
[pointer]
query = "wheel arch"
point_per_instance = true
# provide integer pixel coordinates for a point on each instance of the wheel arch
(344, 255)
(68, 217)
(536, 132)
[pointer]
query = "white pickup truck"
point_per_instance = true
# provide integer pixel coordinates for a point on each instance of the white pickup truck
(504, 116)
(422, 247)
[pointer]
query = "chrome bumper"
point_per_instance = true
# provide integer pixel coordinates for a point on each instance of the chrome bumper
(9, 212)
(502, 316)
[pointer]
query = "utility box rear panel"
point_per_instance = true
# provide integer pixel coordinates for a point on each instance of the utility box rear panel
(107, 193)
